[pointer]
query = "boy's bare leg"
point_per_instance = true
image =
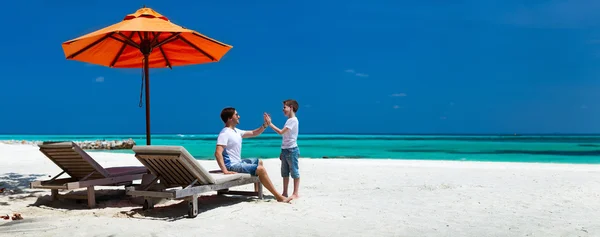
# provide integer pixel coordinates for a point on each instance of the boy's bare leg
(296, 187)
(261, 172)
(286, 184)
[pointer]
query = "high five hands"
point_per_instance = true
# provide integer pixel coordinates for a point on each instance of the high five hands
(267, 118)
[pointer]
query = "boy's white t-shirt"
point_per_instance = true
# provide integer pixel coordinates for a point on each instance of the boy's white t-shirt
(232, 140)
(290, 137)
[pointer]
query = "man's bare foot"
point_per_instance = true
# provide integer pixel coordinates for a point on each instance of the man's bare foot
(295, 196)
(284, 194)
(284, 199)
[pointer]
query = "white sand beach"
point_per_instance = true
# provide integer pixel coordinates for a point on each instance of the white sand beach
(338, 198)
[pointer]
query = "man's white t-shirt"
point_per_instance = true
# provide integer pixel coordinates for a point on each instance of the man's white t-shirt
(232, 140)
(290, 137)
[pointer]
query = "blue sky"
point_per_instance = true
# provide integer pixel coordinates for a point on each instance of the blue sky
(354, 66)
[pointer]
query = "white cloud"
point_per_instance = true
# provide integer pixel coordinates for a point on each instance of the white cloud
(358, 74)
(99, 79)
(398, 95)
(396, 107)
(443, 118)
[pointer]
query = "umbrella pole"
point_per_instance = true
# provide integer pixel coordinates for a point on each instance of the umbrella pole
(147, 78)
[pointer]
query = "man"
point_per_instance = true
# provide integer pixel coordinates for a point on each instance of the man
(229, 151)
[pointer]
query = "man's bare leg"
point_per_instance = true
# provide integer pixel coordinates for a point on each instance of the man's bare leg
(286, 184)
(296, 187)
(261, 172)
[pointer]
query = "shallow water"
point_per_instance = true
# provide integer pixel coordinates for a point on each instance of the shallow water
(529, 148)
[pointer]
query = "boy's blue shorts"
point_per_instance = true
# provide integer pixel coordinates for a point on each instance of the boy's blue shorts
(289, 162)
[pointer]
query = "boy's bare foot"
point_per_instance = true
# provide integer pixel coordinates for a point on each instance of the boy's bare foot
(284, 194)
(288, 200)
(295, 196)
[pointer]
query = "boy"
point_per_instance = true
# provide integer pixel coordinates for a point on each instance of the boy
(289, 147)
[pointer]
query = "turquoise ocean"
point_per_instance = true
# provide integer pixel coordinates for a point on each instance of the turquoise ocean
(511, 148)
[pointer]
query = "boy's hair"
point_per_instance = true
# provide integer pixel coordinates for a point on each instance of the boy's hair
(227, 113)
(292, 104)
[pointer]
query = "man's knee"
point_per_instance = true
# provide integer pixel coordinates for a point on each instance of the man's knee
(260, 169)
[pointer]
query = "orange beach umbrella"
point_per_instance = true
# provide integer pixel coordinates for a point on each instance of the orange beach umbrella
(145, 39)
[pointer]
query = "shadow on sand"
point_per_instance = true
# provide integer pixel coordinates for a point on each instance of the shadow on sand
(14, 186)
(17, 187)
(13, 183)
(168, 210)
(165, 210)
(178, 209)
(104, 199)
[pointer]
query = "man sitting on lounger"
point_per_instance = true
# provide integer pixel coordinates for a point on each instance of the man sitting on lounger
(229, 151)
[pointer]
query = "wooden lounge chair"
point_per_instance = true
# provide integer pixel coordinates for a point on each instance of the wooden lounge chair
(182, 177)
(85, 172)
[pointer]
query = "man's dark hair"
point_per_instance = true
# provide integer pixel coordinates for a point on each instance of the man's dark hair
(227, 113)
(292, 104)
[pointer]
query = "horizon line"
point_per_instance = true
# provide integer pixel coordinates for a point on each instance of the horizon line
(395, 134)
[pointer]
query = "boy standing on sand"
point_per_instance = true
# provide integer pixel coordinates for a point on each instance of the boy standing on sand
(289, 147)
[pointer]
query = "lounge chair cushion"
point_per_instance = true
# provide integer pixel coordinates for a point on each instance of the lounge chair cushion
(224, 178)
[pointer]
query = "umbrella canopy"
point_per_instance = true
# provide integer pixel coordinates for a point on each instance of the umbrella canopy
(145, 39)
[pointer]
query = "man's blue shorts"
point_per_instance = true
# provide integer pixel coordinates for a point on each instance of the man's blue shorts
(248, 166)
(289, 162)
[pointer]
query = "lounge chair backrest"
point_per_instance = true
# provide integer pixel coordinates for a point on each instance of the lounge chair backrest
(73, 160)
(173, 164)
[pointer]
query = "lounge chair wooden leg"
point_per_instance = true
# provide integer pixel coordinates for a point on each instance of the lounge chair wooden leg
(148, 203)
(193, 206)
(54, 194)
(91, 196)
(259, 190)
